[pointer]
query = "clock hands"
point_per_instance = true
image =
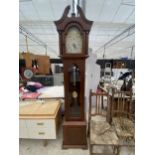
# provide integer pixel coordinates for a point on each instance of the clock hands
(74, 46)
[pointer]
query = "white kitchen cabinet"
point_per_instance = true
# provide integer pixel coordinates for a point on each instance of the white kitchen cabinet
(39, 121)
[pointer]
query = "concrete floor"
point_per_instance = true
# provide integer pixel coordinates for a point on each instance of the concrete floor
(35, 147)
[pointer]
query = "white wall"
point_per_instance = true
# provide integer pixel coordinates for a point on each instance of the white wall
(92, 76)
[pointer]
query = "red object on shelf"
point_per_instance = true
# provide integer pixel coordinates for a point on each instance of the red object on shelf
(30, 95)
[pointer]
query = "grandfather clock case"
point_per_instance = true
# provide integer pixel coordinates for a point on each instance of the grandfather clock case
(73, 41)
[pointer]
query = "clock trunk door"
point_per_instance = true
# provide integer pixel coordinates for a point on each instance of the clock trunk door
(74, 90)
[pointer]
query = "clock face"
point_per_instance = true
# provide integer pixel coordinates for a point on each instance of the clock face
(73, 41)
(28, 73)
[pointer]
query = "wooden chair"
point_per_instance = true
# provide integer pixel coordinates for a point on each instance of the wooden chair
(100, 131)
(122, 117)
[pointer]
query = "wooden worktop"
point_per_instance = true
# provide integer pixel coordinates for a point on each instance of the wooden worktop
(42, 109)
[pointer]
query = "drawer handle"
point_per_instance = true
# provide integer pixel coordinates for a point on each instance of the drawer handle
(41, 133)
(40, 123)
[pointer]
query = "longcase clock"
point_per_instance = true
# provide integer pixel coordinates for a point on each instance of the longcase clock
(73, 41)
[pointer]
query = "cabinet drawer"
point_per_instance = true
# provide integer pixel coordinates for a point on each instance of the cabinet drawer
(47, 133)
(40, 123)
(41, 129)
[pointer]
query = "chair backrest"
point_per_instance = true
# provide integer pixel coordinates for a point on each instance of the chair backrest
(121, 113)
(98, 103)
(121, 104)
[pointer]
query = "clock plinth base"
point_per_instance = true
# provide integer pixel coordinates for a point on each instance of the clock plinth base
(85, 147)
(74, 135)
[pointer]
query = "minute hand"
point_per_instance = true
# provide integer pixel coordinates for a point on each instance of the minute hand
(74, 45)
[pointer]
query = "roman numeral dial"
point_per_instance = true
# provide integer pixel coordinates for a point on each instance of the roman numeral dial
(73, 41)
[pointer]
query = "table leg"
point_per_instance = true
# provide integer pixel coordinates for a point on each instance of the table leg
(45, 142)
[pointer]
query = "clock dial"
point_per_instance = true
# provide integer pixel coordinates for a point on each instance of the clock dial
(28, 73)
(73, 41)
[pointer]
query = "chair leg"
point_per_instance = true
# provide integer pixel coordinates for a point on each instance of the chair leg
(91, 149)
(88, 130)
(118, 150)
(113, 148)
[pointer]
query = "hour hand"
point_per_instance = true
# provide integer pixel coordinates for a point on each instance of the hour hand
(74, 45)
